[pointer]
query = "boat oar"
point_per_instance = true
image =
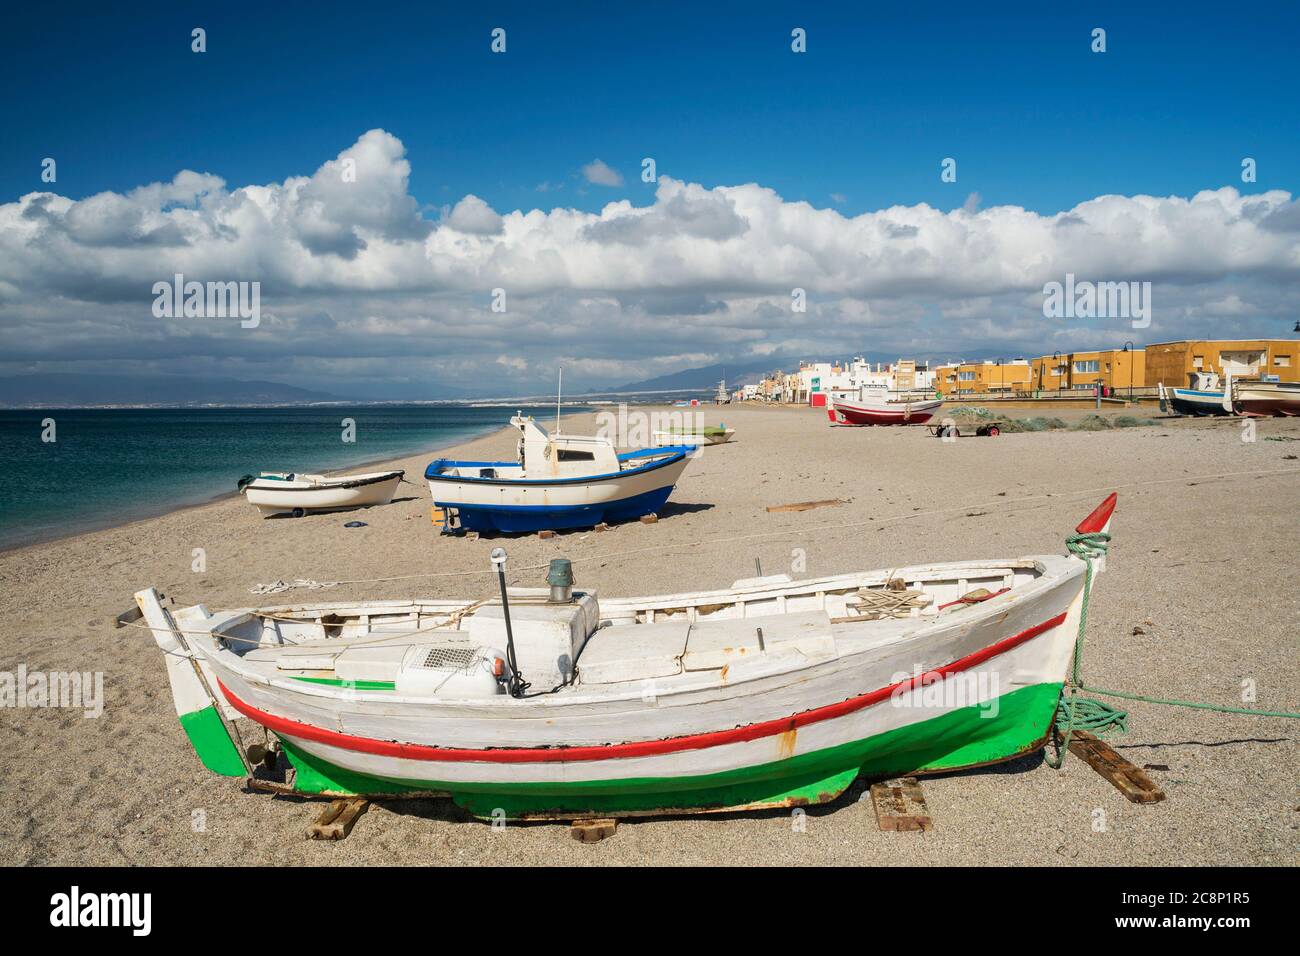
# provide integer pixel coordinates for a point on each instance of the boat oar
(517, 684)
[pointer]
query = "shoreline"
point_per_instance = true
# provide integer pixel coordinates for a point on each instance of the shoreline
(178, 508)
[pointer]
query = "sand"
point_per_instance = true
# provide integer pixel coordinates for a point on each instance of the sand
(1201, 595)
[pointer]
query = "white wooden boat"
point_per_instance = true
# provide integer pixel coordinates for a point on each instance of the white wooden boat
(708, 435)
(1260, 399)
(287, 493)
(880, 411)
(559, 481)
(769, 693)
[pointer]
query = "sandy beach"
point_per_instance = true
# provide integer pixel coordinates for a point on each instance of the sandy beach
(1200, 596)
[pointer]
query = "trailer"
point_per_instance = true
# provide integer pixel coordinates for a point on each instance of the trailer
(953, 430)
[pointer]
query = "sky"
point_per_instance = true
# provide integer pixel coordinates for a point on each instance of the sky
(380, 173)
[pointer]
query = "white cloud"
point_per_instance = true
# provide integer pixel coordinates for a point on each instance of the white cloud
(597, 172)
(354, 277)
(474, 216)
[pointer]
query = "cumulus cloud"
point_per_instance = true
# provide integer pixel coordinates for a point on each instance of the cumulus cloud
(473, 215)
(356, 283)
(599, 173)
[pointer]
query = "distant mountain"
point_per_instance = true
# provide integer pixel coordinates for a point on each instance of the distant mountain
(80, 390)
(736, 373)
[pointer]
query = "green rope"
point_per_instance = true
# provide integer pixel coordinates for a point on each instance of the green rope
(1082, 713)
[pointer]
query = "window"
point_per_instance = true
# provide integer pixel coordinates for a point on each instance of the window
(565, 454)
(966, 376)
(1198, 361)
(1088, 365)
(1281, 361)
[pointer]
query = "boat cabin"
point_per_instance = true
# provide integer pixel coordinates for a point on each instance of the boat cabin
(543, 455)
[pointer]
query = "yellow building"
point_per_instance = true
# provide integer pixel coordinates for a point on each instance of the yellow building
(1118, 369)
(1170, 362)
(983, 378)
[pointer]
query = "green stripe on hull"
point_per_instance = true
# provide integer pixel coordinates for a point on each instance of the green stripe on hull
(960, 738)
(212, 742)
(353, 684)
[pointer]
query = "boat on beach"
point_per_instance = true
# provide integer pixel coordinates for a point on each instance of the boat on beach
(296, 494)
(1258, 398)
(554, 702)
(881, 411)
(707, 435)
(1203, 396)
(557, 482)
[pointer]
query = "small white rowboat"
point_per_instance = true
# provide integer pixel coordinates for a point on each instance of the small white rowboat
(281, 492)
(770, 693)
(709, 435)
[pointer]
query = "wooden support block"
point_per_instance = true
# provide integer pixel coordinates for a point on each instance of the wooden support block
(436, 516)
(546, 535)
(336, 821)
(601, 527)
(592, 831)
(1124, 776)
(649, 519)
(900, 805)
(471, 535)
(805, 505)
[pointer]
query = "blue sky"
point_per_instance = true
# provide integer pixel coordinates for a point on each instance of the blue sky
(713, 92)
(392, 279)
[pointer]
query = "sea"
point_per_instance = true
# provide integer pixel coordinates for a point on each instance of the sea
(74, 470)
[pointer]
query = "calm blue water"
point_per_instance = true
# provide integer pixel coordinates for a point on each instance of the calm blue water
(108, 466)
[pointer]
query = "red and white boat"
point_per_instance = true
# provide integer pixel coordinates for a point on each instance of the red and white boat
(770, 693)
(1257, 398)
(881, 411)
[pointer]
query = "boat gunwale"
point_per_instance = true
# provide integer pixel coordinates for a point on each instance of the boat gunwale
(342, 482)
(663, 457)
(927, 627)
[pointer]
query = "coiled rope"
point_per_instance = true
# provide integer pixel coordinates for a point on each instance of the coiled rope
(1081, 713)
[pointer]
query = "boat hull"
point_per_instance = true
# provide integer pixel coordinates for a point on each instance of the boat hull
(514, 507)
(885, 413)
(1187, 401)
(958, 739)
(283, 500)
(1281, 399)
(982, 689)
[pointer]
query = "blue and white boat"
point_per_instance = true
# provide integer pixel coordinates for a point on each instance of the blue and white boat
(1204, 396)
(559, 481)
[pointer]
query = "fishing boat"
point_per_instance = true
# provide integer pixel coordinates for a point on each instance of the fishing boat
(559, 481)
(1260, 398)
(276, 492)
(1203, 396)
(554, 702)
(881, 411)
(708, 435)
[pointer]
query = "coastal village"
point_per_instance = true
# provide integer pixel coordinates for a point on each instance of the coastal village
(1129, 372)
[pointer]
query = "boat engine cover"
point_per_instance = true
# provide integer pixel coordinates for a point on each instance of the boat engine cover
(548, 636)
(449, 670)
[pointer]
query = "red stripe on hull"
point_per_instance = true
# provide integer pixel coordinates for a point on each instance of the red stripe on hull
(644, 748)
